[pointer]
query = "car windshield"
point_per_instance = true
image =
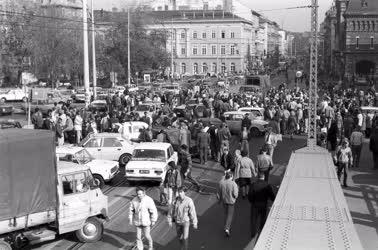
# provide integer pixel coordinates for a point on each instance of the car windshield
(149, 154)
(143, 108)
(81, 157)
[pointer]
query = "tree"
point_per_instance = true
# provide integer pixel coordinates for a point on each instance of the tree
(249, 61)
(147, 48)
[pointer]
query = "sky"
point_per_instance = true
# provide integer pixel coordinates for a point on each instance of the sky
(297, 20)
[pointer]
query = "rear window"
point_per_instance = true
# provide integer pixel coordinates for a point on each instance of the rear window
(149, 154)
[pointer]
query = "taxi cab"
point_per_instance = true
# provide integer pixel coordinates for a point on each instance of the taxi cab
(150, 162)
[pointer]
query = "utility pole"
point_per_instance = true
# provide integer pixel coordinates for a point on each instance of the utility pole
(94, 55)
(172, 36)
(313, 86)
(86, 58)
(128, 47)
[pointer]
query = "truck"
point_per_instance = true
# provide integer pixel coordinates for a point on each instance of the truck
(261, 82)
(40, 198)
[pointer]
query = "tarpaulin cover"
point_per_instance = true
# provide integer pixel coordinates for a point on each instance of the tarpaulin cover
(27, 172)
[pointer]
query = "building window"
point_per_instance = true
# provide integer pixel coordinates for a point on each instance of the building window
(223, 34)
(357, 42)
(183, 51)
(204, 67)
(183, 68)
(223, 68)
(354, 25)
(363, 26)
(194, 35)
(182, 35)
(359, 25)
(195, 68)
(214, 67)
(213, 49)
(195, 51)
(204, 50)
(213, 34)
(372, 42)
(204, 35)
(232, 34)
(223, 49)
(232, 67)
(232, 49)
(373, 26)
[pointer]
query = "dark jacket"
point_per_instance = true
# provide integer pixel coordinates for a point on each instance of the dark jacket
(172, 178)
(185, 161)
(228, 161)
(246, 122)
(373, 145)
(259, 194)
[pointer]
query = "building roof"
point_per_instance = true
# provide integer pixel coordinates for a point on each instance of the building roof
(362, 7)
(168, 16)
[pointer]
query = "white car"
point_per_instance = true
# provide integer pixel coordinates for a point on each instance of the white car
(234, 120)
(130, 130)
(13, 95)
(109, 146)
(254, 113)
(149, 107)
(150, 162)
(102, 170)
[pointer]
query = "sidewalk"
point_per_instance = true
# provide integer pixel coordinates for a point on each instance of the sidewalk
(362, 199)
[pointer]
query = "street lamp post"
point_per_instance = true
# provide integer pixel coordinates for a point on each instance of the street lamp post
(86, 58)
(94, 55)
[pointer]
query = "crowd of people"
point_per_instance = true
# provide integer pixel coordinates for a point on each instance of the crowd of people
(342, 128)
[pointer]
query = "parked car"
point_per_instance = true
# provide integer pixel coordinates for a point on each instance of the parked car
(103, 170)
(150, 162)
(149, 107)
(6, 109)
(13, 95)
(79, 96)
(254, 113)
(130, 130)
(234, 118)
(10, 124)
(98, 105)
(109, 146)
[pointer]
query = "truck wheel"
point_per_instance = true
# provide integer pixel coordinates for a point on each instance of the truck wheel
(5, 245)
(255, 132)
(91, 231)
(124, 159)
(99, 180)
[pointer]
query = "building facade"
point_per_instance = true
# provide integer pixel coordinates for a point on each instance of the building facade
(207, 42)
(330, 43)
(361, 42)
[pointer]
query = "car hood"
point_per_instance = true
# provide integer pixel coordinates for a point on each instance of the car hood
(259, 122)
(143, 164)
(101, 164)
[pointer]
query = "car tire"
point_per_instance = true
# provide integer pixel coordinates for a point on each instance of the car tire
(124, 159)
(91, 231)
(255, 132)
(99, 180)
(25, 99)
(3, 100)
(5, 245)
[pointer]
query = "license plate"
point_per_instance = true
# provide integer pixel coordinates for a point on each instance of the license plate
(144, 171)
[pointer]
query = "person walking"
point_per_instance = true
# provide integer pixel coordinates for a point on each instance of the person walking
(214, 142)
(264, 162)
(143, 215)
(344, 159)
(246, 172)
(203, 143)
(182, 213)
(356, 142)
(185, 161)
(227, 160)
(59, 132)
(224, 136)
(259, 194)
(78, 126)
(227, 194)
(373, 146)
(172, 182)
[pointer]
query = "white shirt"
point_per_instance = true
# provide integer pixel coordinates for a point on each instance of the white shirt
(360, 119)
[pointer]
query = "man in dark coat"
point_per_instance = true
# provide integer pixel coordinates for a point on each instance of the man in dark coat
(214, 142)
(373, 146)
(203, 143)
(259, 194)
(227, 160)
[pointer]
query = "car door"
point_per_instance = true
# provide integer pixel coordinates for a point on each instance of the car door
(93, 146)
(111, 148)
(231, 123)
(75, 203)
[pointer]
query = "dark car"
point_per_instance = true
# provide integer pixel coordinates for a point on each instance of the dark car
(98, 105)
(6, 109)
(10, 124)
